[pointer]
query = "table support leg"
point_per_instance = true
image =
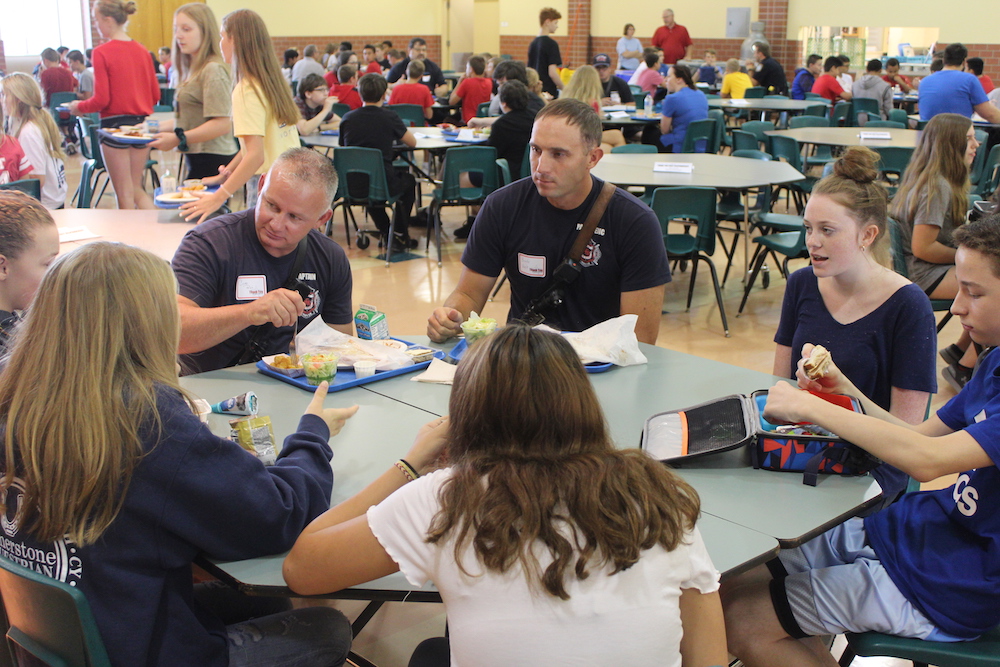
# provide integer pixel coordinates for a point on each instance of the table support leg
(365, 616)
(746, 234)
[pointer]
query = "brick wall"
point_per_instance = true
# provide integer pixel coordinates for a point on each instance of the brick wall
(774, 13)
(990, 53)
(358, 42)
(579, 33)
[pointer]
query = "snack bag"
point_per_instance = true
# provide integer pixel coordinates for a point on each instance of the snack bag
(255, 434)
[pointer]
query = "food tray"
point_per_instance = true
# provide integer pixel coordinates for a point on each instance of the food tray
(180, 202)
(456, 140)
(127, 140)
(346, 379)
(330, 133)
(459, 350)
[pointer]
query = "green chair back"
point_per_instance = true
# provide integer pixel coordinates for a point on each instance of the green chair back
(636, 90)
(842, 115)
(758, 128)
(816, 110)
(865, 105)
(361, 176)
(696, 204)
(900, 267)
(50, 619)
(412, 114)
(787, 148)
(754, 93)
(776, 97)
(340, 108)
(885, 123)
(808, 121)
(815, 96)
(696, 131)
(468, 159)
(721, 138)
(899, 116)
(634, 148)
(743, 141)
(483, 110)
(60, 99)
(990, 178)
(976, 170)
(504, 169)
(893, 159)
(29, 186)
(983, 652)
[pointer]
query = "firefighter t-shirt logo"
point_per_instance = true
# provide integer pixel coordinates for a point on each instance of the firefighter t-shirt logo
(591, 254)
(311, 303)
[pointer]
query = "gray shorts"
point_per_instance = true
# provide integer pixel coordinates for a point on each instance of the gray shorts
(836, 583)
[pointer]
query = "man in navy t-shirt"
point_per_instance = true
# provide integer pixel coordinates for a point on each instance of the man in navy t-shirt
(953, 91)
(232, 271)
(926, 567)
(528, 227)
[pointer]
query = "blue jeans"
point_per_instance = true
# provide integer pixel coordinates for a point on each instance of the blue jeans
(267, 632)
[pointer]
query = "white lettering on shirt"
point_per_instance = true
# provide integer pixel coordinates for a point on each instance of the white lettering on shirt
(249, 288)
(532, 266)
(965, 495)
(307, 276)
(599, 231)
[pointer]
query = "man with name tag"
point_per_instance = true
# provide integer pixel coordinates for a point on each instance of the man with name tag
(246, 280)
(530, 229)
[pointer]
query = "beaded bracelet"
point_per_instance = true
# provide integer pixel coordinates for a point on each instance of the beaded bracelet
(408, 470)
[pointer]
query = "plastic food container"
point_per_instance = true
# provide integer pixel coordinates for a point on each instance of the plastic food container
(478, 328)
(320, 367)
(364, 369)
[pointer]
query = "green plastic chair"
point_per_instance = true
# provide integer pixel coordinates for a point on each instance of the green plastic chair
(695, 204)
(483, 110)
(821, 155)
(900, 267)
(976, 170)
(899, 116)
(744, 141)
(504, 168)
(754, 93)
(815, 96)
(816, 110)
(340, 109)
(990, 178)
(722, 137)
(983, 652)
(29, 186)
(361, 182)
(892, 162)
(730, 209)
(885, 123)
(790, 245)
(776, 97)
(481, 160)
(842, 115)
(758, 129)
(698, 130)
(92, 167)
(49, 619)
(863, 105)
(808, 121)
(412, 114)
(788, 149)
(636, 91)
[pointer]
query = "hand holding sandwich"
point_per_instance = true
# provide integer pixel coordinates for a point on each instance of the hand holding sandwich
(817, 372)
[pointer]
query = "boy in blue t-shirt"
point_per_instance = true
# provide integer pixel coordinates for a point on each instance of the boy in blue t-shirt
(926, 567)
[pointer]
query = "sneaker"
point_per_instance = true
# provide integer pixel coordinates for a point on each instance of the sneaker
(957, 376)
(405, 241)
(952, 354)
(463, 231)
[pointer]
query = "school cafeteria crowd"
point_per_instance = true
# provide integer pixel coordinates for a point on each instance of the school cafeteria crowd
(548, 544)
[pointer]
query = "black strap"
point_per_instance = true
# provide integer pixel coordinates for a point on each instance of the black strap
(569, 270)
(251, 351)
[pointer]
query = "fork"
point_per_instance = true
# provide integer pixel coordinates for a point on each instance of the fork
(293, 357)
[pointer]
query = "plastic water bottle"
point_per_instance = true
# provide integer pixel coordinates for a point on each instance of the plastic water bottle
(648, 104)
(168, 183)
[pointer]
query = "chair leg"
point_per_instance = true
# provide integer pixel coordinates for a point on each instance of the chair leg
(694, 276)
(392, 236)
(761, 257)
(97, 200)
(718, 291)
(847, 657)
(503, 279)
(944, 321)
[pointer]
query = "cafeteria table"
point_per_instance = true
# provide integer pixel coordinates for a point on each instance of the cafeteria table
(765, 104)
(746, 514)
(851, 136)
(158, 231)
(428, 139)
(709, 170)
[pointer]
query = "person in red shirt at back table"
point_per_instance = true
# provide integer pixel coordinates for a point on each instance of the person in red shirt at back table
(55, 79)
(827, 84)
(474, 88)
(414, 92)
(372, 65)
(346, 92)
(975, 66)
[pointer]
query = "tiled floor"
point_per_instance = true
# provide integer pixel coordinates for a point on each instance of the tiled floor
(409, 290)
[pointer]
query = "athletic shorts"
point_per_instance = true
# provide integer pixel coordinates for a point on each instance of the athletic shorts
(835, 583)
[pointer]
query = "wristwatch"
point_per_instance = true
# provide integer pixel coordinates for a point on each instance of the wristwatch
(183, 145)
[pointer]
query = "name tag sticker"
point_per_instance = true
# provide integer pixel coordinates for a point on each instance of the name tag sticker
(531, 265)
(674, 167)
(249, 288)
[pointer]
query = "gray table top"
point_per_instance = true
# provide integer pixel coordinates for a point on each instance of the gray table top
(977, 120)
(710, 170)
(761, 104)
(428, 139)
(851, 136)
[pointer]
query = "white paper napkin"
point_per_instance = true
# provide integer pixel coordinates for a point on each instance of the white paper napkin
(439, 372)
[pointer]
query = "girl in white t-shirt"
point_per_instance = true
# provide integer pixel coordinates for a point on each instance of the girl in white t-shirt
(548, 545)
(32, 125)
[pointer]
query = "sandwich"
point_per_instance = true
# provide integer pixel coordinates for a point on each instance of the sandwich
(818, 363)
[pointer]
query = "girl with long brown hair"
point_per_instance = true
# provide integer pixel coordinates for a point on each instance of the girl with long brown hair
(931, 202)
(125, 90)
(114, 485)
(540, 534)
(264, 115)
(203, 130)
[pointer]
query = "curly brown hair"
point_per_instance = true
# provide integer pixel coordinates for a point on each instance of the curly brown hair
(533, 465)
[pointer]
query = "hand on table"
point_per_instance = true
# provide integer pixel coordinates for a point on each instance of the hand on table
(206, 204)
(165, 141)
(444, 323)
(280, 307)
(429, 444)
(335, 418)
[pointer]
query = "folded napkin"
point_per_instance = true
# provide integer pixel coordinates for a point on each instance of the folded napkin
(439, 372)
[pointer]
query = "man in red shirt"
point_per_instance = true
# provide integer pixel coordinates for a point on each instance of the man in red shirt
(413, 92)
(975, 66)
(345, 92)
(474, 88)
(827, 84)
(55, 79)
(894, 78)
(673, 39)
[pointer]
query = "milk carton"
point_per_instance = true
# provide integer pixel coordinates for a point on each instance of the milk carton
(371, 323)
